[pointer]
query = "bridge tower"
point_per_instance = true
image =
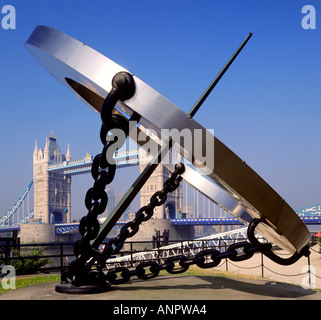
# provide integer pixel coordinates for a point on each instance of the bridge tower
(52, 191)
(159, 227)
(172, 207)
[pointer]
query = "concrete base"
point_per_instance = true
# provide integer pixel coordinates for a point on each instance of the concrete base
(176, 288)
(41, 233)
(37, 233)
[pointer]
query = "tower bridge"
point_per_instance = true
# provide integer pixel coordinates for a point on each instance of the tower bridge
(51, 186)
(53, 171)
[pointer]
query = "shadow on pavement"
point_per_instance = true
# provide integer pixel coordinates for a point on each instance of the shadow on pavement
(244, 287)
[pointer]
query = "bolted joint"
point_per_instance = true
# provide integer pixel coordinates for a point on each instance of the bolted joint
(124, 84)
(123, 88)
(180, 168)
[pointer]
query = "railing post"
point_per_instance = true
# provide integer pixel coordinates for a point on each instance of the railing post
(309, 271)
(262, 265)
(61, 258)
(131, 253)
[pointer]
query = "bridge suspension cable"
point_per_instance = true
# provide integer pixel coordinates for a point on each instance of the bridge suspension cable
(13, 216)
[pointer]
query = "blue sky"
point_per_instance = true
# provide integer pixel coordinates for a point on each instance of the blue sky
(266, 108)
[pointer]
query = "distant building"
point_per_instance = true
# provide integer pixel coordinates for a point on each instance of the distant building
(172, 207)
(52, 191)
(111, 200)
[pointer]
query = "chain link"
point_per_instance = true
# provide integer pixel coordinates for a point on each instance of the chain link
(181, 263)
(173, 265)
(205, 259)
(143, 214)
(103, 172)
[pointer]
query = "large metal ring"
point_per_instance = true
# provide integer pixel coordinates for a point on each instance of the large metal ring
(232, 184)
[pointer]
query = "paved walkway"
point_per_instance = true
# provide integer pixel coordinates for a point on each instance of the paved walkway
(204, 287)
(177, 288)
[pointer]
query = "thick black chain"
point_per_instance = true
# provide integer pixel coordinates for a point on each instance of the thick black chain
(143, 214)
(96, 275)
(103, 172)
(205, 259)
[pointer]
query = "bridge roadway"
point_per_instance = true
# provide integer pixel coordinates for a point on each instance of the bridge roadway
(61, 228)
(66, 227)
(75, 167)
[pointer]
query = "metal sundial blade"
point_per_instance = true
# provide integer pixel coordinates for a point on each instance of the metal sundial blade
(88, 75)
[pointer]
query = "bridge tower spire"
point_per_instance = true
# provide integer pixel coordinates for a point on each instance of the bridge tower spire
(68, 154)
(52, 191)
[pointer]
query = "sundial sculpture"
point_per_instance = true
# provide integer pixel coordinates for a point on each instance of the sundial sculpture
(118, 95)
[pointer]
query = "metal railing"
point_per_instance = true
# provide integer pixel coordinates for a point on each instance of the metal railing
(59, 255)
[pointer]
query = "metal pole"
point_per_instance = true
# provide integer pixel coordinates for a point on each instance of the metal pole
(61, 259)
(186, 198)
(206, 93)
(194, 202)
(197, 212)
(262, 265)
(131, 253)
(158, 252)
(176, 195)
(309, 271)
(204, 206)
